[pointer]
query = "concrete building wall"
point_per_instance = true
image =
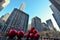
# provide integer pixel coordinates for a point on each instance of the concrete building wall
(36, 22)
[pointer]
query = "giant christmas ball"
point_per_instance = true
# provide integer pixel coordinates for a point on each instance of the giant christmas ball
(12, 33)
(31, 35)
(31, 31)
(36, 35)
(32, 28)
(20, 34)
(27, 35)
(34, 31)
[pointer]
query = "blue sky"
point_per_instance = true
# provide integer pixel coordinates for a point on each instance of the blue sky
(38, 8)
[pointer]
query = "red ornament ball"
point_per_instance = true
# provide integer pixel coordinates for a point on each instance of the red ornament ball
(27, 35)
(31, 35)
(32, 28)
(20, 34)
(12, 33)
(36, 35)
(34, 31)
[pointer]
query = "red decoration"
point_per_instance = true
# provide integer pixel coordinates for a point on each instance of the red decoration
(31, 31)
(20, 34)
(12, 33)
(34, 31)
(32, 28)
(36, 35)
(31, 35)
(27, 35)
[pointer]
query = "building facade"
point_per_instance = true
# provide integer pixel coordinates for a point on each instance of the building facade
(50, 25)
(45, 26)
(2, 22)
(56, 3)
(17, 20)
(5, 17)
(4, 3)
(36, 22)
(56, 14)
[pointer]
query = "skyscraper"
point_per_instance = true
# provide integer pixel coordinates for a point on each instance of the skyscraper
(22, 6)
(5, 17)
(3, 3)
(45, 26)
(56, 14)
(17, 20)
(50, 25)
(36, 22)
(2, 22)
(56, 3)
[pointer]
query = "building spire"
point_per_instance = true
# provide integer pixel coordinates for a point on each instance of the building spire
(22, 6)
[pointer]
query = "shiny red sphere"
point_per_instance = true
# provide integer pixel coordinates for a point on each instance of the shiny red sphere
(12, 33)
(34, 31)
(30, 31)
(31, 35)
(36, 35)
(27, 35)
(32, 28)
(20, 34)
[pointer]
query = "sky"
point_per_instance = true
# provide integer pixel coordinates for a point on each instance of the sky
(34, 8)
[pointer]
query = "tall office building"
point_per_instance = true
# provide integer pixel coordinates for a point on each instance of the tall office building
(56, 14)
(56, 3)
(3, 3)
(50, 25)
(5, 17)
(2, 22)
(36, 22)
(17, 20)
(45, 26)
(22, 6)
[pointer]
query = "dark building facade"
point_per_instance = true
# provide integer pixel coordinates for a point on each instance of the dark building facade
(56, 3)
(2, 22)
(56, 14)
(17, 20)
(45, 26)
(57, 18)
(36, 22)
(50, 25)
